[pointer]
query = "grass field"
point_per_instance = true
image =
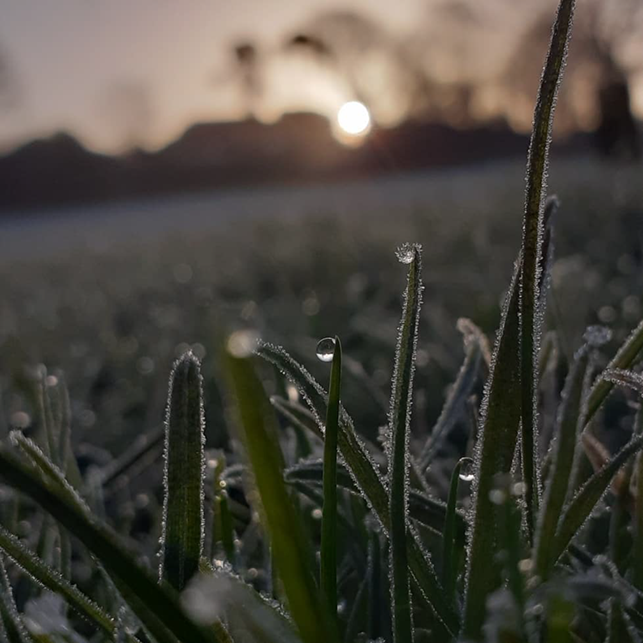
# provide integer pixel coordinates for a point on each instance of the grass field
(415, 476)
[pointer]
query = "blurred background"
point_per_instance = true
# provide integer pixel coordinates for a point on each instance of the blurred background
(169, 170)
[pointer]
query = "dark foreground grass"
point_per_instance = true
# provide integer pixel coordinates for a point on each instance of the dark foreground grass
(289, 514)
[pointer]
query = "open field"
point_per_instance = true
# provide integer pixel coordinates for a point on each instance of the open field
(110, 296)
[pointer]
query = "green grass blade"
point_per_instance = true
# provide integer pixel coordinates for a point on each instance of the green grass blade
(568, 426)
(449, 572)
(328, 566)
(455, 405)
(13, 623)
(619, 629)
(290, 549)
(183, 520)
(621, 377)
(537, 166)
(582, 505)
(367, 479)
(143, 449)
(623, 359)
(496, 446)
(398, 445)
(297, 415)
(224, 534)
(375, 608)
(101, 542)
(48, 470)
(248, 616)
(429, 512)
(637, 553)
(52, 580)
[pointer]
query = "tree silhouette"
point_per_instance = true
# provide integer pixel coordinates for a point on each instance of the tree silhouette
(596, 94)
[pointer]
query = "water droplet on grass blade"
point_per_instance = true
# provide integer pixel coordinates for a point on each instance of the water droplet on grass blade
(326, 349)
(466, 470)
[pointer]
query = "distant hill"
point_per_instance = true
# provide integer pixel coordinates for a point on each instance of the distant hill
(298, 147)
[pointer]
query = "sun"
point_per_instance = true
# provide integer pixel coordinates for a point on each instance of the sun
(354, 119)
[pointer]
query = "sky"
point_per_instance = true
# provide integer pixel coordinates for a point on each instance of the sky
(79, 63)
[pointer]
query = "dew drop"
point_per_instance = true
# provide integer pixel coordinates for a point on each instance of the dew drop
(466, 470)
(405, 253)
(326, 349)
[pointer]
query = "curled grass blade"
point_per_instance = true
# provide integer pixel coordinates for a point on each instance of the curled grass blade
(532, 242)
(367, 479)
(568, 426)
(101, 542)
(183, 521)
(582, 505)
(496, 446)
(328, 568)
(398, 447)
(455, 405)
(289, 546)
(52, 580)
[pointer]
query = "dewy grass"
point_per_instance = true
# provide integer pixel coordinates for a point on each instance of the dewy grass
(532, 248)
(395, 564)
(328, 559)
(183, 519)
(398, 444)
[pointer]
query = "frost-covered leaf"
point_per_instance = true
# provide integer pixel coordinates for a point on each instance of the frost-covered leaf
(183, 520)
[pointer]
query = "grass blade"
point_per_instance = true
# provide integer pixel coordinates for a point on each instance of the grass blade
(621, 377)
(398, 445)
(367, 479)
(298, 415)
(248, 616)
(13, 623)
(623, 359)
(568, 426)
(637, 553)
(475, 346)
(449, 572)
(101, 542)
(580, 508)
(429, 512)
(287, 537)
(52, 580)
(127, 465)
(537, 165)
(619, 629)
(183, 521)
(328, 570)
(496, 446)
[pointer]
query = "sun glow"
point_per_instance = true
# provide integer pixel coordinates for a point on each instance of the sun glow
(354, 119)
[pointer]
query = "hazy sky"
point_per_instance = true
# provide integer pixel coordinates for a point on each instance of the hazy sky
(75, 61)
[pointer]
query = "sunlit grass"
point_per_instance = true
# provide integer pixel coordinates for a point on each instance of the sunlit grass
(288, 513)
